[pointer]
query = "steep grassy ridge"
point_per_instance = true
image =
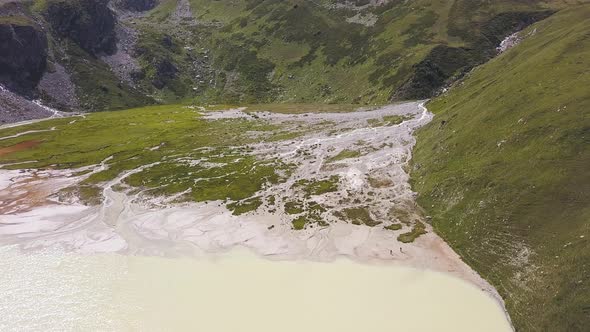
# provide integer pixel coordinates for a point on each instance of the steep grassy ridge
(503, 171)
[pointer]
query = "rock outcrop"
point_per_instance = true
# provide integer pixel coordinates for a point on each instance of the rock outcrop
(23, 54)
(16, 108)
(137, 5)
(445, 64)
(89, 23)
(165, 72)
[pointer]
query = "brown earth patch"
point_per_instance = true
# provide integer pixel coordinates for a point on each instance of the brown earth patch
(19, 147)
(379, 182)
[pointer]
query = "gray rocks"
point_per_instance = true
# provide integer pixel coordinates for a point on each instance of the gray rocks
(165, 72)
(137, 5)
(57, 89)
(89, 23)
(15, 108)
(23, 56)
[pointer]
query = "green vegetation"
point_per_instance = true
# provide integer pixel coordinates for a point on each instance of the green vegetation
(402, 213)
(319, 187)
(39, 6)
(393, 227)
(417, 229)
(317, 55)
(88, 194)
(283, 136)
(309, 213)
(503, 171)
(245, 206)
(217, 11)
(164, 149)
(294, 207)
(163, 11)
(357, 216)
(313, 214)
(271, 200)
(253, 84)
(98, 88)
(17, 20)
(299, 223)
(344, 154)
(246, 51)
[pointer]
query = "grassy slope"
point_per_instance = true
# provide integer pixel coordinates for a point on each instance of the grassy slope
(503, 170)
(98, 88)
(306, 51)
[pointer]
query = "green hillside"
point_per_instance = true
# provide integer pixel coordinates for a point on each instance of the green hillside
(503, 171)
(252, 51)
(325, 51)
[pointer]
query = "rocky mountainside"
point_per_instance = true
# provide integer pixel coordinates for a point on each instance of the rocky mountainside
(88, 23)
(124, 53)
(23, 54)
(136, 5)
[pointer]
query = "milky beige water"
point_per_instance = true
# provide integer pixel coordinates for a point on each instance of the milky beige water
(237, 291)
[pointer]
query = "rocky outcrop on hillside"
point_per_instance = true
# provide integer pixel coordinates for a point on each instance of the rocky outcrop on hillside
(136, 5)
(441, 65)
(16, 108)
(165, 72)
(57, 89)
(89, 23)
(23, 54)
(123, 62)
(444, 64)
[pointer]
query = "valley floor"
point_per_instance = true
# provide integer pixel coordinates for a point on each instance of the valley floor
(342, 190)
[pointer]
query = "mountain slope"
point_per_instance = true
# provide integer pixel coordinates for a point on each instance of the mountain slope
(339, 52)
(503, 171)
(23, 53)
(126, 53)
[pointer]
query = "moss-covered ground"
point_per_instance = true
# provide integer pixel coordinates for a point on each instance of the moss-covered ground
(357, 216)
(318, 187)
(417, 229)
(202, 159)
